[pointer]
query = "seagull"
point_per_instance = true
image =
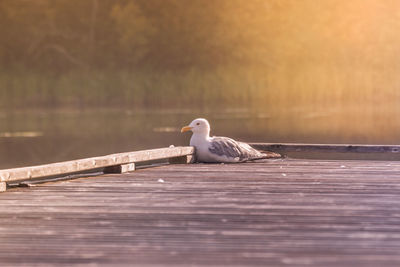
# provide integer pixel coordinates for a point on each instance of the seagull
(218, 149)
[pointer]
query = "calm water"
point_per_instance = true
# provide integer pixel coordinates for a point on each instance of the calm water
(44, 137)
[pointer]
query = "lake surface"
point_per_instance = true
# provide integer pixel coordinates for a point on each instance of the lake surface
(30, 138)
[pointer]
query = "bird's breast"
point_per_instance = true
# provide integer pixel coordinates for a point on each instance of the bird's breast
(202, 152)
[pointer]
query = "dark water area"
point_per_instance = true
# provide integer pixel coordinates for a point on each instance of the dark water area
(39, 137)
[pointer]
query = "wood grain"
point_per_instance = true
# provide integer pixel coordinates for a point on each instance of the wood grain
(265, 213)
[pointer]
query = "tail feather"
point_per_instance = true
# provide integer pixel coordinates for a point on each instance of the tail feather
(265, 155)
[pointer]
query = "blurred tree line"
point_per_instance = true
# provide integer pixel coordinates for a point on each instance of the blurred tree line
(59, 35)
(267, 54)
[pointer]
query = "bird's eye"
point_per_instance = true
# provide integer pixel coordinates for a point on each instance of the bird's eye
(198, 123)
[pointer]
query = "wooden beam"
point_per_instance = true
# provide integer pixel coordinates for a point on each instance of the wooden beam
(341, 148)
(123, 168)
(3, 186)
(181, 160)
(75, 166)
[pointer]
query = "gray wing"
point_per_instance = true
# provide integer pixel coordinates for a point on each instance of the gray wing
(224, 146)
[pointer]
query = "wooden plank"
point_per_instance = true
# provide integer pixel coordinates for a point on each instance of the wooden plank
(123, 168)
(80, 165)
(3, 186)
(182, 160)
(287, 147)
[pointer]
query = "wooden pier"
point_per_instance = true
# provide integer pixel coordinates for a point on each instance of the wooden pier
(273, 212)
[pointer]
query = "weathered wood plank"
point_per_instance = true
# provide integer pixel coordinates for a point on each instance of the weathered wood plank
(182, 160)
(327, 147)
(74, 166)
(123, 168)
(3, 186)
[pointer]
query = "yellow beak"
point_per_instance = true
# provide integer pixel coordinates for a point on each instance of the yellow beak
(185, 129)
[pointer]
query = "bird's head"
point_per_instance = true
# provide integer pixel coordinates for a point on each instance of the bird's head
(198, 126)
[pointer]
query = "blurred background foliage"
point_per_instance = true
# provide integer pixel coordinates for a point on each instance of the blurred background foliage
(258, 54)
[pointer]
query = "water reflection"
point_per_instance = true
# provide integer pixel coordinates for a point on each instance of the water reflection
(43, 137)
(20, 134)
